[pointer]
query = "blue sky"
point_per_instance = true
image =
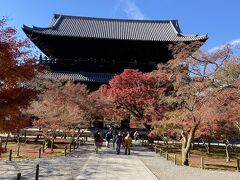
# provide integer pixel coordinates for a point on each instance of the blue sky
(219, 18)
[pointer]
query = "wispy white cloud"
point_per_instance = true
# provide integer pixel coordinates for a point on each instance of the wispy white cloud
(233, 43)
(130, 8)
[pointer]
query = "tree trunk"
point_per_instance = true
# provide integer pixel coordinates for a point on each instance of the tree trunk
(185, 160)
(25, 135)
(72, 140)
(166, 145)
(47, 143)
(6, 142)
(52, 144)
(227, 152)
(18, 146)
(44, 145)
(18, 149)
(186, 144)
(206, 145)
(36, 139)
(209, 147)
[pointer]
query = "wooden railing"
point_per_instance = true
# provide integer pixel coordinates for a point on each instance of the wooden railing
(173, 157)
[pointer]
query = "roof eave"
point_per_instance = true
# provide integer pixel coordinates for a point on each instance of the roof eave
(28, 30)
(198, 38)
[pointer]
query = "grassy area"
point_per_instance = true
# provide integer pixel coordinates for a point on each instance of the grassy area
(30, 150)
(214, 160)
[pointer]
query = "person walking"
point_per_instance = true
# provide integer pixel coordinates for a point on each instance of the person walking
(123, 139)
(108, 138)
(114, 136)
(119, 140)
(128, 143)
(97, 140)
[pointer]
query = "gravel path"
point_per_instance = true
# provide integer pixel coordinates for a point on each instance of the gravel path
(84, 163)
(50, 168)
(166, 170)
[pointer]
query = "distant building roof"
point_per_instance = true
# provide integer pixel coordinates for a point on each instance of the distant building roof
(100, 28)
(79, 76)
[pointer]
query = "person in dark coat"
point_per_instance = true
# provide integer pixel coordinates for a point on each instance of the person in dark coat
(108, 138)
(97, 140)
(119, 141)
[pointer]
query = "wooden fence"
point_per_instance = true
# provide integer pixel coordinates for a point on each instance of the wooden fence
(173, 157)
(68, 149)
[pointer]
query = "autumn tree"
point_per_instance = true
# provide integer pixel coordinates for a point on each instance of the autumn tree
(134, 93)
(191, 92)
(61, 108)
(102, 107)
(223, 108)
(17, 66)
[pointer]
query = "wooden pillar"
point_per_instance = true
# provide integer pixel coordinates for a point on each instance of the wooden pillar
(39, 152)
(65, 150)
(18, 149)
(202, 162)
(167, 156)
(43, 146)
(175, 159)
(37, 172)
(10, 155)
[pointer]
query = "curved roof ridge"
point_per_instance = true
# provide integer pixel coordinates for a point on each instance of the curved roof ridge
(174, 28)
(55, 22)
(113, 19)
(27, 27)
(41, 28)
(35, 28)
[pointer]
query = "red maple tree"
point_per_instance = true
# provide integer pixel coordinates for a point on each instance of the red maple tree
(135, 93)
(17, 66)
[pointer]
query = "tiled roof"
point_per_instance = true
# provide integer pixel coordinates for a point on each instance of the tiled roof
(142, 30)
(79, 76)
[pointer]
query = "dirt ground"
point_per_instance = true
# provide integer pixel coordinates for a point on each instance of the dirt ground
(30, 150)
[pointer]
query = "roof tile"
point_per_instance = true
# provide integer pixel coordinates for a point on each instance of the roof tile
(142, 30)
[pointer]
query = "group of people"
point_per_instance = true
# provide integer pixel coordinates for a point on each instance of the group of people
(121, 139)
